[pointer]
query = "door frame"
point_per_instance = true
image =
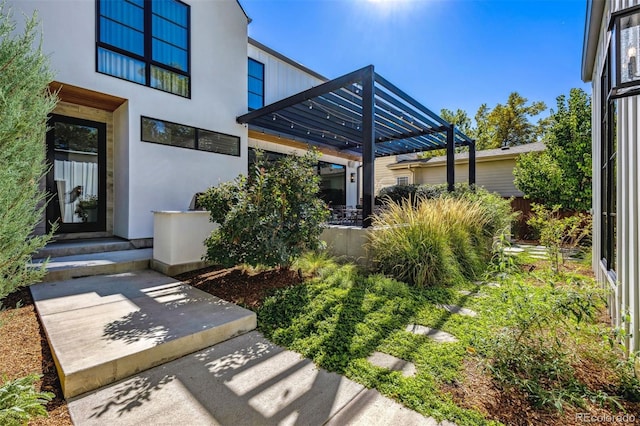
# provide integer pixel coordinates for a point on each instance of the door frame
(53, 207)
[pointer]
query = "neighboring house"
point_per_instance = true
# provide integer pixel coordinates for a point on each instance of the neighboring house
(615, 80)
(149, 94)
(494, 169)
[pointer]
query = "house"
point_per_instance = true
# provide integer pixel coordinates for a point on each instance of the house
(610, 63)
(149, 96)
(494, 169)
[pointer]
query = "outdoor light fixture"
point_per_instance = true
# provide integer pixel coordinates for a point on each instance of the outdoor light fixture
(625, 41)
(352, 177)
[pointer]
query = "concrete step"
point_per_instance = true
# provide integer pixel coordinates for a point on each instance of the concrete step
(105, 328)
(84, 265)
(84, 246)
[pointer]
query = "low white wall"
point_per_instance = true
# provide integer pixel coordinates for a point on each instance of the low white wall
(347, 241)
(178, 236)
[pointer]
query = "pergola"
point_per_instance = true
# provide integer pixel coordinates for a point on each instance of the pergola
(362, 113)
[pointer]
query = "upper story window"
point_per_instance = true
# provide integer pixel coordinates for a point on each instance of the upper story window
(145, 41)
(256, 84)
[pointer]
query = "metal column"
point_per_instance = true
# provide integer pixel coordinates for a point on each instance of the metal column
(472, 163)
(368, 145)
(451, 164)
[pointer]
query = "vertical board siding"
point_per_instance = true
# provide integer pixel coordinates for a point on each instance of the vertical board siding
(280, 78)
(624, 296)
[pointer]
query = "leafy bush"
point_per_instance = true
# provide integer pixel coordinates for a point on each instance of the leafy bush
(559, 234)
(413, 192)
(535, 353)
(268, 218)
(25, 103)
(19, 401)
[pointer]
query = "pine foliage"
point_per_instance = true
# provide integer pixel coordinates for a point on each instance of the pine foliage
(25, 102)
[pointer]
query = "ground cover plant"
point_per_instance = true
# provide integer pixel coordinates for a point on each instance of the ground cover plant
(536, 352)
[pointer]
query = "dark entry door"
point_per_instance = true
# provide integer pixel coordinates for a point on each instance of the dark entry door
(76, 153)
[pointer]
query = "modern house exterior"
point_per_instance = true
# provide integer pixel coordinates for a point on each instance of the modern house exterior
(494, 169)
(150, 92)
(610, 63)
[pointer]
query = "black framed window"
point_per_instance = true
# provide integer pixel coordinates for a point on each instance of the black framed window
(256, 84)
(333, 177)
(146, 42)
(608, 171)
(174, 134)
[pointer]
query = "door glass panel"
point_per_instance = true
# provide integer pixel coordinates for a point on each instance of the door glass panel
(75, 172)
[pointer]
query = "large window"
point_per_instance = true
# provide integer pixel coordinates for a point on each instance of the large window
(256, 84)
(146, 42)
(167, 133)
(608, 175)
(333, 177)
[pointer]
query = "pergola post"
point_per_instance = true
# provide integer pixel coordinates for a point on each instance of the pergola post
(472, 163)
(451, 164)
(368, 145)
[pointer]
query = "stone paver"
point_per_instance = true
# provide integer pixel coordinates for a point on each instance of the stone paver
(390, 362)
(459, 310)
(487, 284)
(471, 293)
(437, 335)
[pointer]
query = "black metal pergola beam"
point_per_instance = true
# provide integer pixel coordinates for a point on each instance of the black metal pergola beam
(362, 113)
(329, 86)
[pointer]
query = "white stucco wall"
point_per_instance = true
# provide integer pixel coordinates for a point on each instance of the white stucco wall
(152, 176)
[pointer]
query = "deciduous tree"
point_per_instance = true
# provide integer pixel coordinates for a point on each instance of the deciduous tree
(562, 174)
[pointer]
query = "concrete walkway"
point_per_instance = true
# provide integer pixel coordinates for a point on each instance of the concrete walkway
(244, 381)
(165, 354)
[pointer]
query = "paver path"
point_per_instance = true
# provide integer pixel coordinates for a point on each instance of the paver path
(391, 362)
(437, 335)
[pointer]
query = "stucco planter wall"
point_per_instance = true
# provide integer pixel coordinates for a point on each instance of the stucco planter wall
(178, 240)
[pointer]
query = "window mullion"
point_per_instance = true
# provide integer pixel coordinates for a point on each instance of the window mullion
(148, 31)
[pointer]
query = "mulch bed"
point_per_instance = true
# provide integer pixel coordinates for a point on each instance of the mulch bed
(24, 350)
(240, 285)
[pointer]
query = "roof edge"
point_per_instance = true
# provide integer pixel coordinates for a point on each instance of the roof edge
(244, 11)
(286, 59)
(592, 24)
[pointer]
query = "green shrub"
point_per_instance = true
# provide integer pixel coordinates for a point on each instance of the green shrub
(559, 234)
(439, 235)
(438, 240)
(270, 217)
(19, 401)
(25, 103)
(535, 352)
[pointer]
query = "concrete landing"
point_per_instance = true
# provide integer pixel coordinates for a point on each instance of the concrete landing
(243, 381)
(104, 328)
(84, 265)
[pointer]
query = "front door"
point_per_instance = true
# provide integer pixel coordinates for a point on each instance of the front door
(76, 153)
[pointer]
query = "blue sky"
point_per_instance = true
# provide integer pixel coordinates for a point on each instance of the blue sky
(445, 53)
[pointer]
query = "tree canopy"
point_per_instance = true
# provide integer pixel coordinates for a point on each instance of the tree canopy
(562, 174)
(509, 124)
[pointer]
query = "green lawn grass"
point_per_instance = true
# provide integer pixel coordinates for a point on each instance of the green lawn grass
(341, 315)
